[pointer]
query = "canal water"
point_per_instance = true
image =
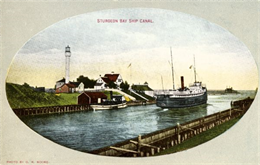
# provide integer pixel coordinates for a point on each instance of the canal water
(90, 130)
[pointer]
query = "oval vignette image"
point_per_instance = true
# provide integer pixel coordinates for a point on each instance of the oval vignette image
(132, 82)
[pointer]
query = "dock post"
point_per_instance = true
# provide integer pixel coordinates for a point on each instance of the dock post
(139, 145)
(141, 154)
(178, 132)
(219, 117)
(152, 151)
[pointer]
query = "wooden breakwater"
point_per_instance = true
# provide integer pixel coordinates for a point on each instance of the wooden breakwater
(155, 142)
(50, 110)
(63, 109)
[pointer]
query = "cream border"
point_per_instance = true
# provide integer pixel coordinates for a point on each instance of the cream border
(23, 19)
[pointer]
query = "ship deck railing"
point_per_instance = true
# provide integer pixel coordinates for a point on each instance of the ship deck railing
(188, 95)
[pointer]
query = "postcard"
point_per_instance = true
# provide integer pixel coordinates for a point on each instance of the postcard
(129, 82)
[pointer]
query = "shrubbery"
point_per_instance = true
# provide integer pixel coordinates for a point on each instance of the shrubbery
(22, 96)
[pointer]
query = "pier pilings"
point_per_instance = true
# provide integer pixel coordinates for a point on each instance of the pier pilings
(155, 142)
(50, 110)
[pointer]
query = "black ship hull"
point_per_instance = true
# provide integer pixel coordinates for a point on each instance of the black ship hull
(166, 101)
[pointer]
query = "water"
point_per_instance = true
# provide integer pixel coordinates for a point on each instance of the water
(86, 131)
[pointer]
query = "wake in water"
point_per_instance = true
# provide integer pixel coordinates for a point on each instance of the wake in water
(163, 110)
(97, 111)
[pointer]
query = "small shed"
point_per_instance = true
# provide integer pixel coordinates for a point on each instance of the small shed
(66, 88)
(91, 98)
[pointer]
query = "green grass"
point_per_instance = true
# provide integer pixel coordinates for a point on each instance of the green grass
(107, 93)
(67, 98)
(200, 138)
(23, 96)
(141, 88)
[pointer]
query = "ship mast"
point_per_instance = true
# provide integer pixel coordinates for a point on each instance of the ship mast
(172, 71)
(162, 84)
(194, 68)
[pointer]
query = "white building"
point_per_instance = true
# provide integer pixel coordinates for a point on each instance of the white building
(144, 88)
(59, 83)
(80, 87)
(102, 82)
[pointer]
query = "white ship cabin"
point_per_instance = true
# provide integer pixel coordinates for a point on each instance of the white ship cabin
(195, 84)
(197, 88)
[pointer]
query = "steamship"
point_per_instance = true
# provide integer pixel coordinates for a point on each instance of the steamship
(229, 90)
(195, 94)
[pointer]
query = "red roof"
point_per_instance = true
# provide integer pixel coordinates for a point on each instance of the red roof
(69, 85)
(107, 80)
(96, 95)
(110, 77)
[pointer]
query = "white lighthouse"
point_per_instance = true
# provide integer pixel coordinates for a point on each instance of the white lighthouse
(67, 64)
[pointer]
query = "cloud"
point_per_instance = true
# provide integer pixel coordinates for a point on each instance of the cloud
(98, 48)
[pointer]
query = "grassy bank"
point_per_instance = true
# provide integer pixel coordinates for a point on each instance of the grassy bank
(146, 96)
(134, 95)
(23, 96)
(138, 97)
(200, 138)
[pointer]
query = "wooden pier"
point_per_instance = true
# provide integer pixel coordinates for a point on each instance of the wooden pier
(155, 142)
(62, 109)
(50, 110)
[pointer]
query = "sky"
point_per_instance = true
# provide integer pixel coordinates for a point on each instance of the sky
(98, 48)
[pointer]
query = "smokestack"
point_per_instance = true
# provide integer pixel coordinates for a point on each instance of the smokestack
(182, 83)
(111, 95)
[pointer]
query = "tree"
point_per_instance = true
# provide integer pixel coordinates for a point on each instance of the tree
(124, 86)
(88, 83)
(26, 85)
(111, 84)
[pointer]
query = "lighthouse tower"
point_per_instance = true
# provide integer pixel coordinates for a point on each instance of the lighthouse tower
(67, 64)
